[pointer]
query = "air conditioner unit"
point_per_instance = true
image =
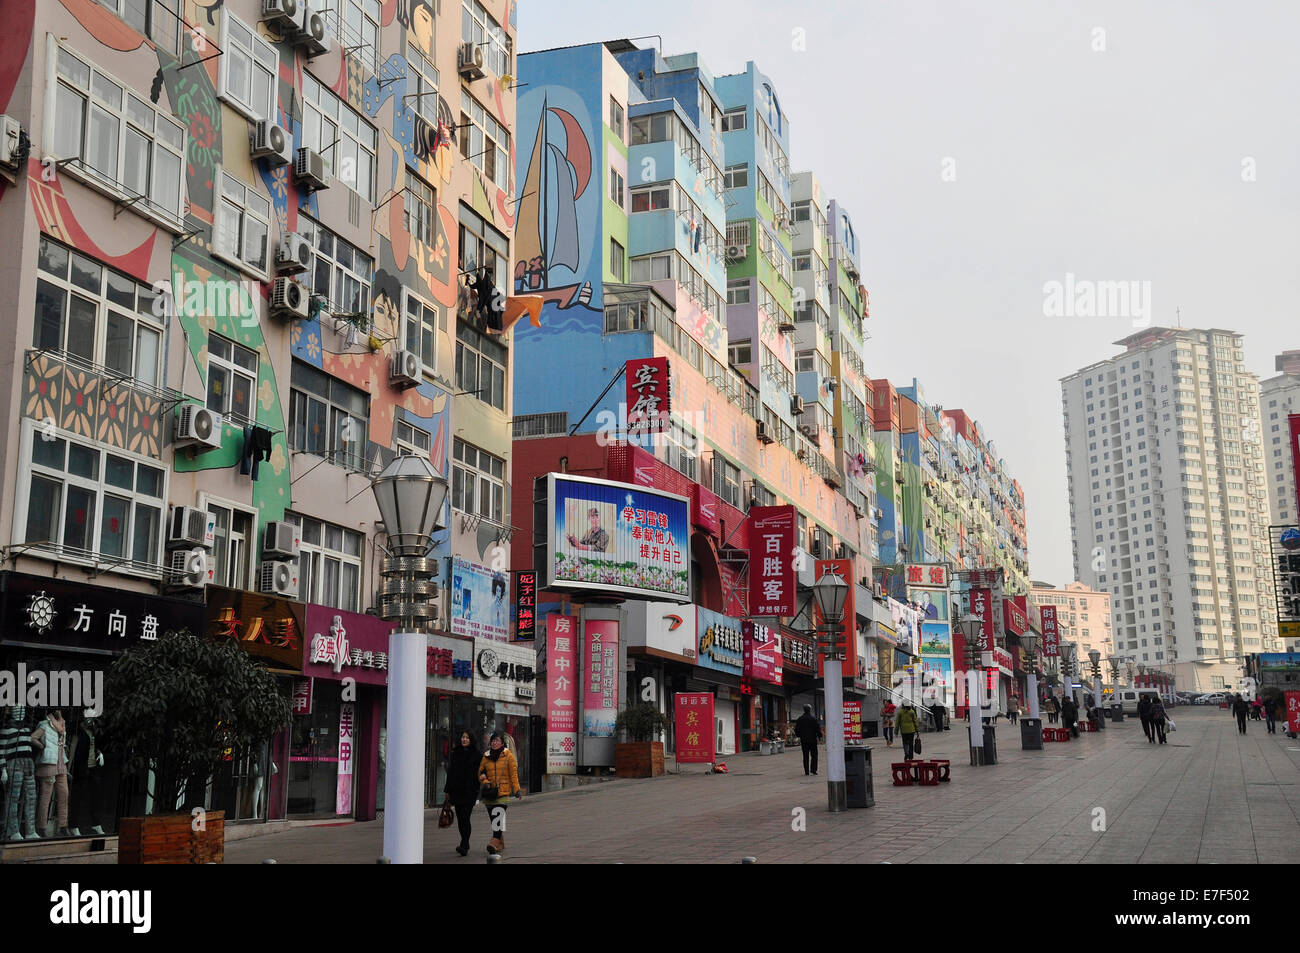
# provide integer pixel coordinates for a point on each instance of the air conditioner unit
(190, 527)
(198, 427)
(189, 569)
(763, 435)
(469, 61)
(281, 540)
(309, 170)
(407, 370)
(282, 14)
(11, 142)
(279, 577)
(313, 34)
(294, 254)
(737, 252)
(289, 298)
(271, 142)
(796, 405)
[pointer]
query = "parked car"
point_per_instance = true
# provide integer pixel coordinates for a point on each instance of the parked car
(1213, 698)
(1129, 698)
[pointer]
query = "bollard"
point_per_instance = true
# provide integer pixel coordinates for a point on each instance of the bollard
(749, 860)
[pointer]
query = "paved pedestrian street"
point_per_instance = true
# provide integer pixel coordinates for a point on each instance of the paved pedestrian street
(1209, 796)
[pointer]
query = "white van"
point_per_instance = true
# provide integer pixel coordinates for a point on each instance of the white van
(1129, 698)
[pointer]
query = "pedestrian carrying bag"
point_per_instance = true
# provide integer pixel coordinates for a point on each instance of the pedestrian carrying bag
(445, 816)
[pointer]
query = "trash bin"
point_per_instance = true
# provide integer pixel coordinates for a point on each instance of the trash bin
(1117, 712)
(1031, 734)
(990, 745)
(857, 777)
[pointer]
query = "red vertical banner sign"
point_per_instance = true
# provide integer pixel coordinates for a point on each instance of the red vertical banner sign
(1294, 420)
(561, 694)
(981, 604)
(648, 404)
(1051, 637)
(693, 727)
(525, 605)
(1292, 712)
(771, 560)
(849, 627)
(600, 687)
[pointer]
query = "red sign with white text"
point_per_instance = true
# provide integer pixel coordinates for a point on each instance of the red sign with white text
(849, 627)
(1014, 617)
(561, 694)
(648, 405)
(704, 510)
(693, 727)
(771, 560)
(1051, 636)
(762, 652)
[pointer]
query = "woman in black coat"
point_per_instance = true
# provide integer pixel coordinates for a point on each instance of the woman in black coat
(462, 785)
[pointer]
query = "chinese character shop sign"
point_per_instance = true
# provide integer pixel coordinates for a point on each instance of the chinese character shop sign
(648, 403)
(926, 575)
(525, 605)
(693, 727)
(504, 671)
(1051, 636)
(347, 749)
(852, 721)
(561, 694)
(843, 568)
(721, 642)
(261, 625)
(600, 685)
(981, 604)
(346, 645)
(771, 560)
(449, 664)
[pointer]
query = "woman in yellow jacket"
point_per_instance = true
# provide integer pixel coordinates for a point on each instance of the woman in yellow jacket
(499, 770)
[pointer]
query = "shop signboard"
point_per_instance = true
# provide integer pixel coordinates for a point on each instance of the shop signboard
(480, 606)
(561, 694)
(449, 664)
(1051, 635)
(771, 560)
(798, 654)
(843, 568)
(1292, 712)
(1000, 659)
(694, 727)
(666, 628)
(648, 395)
(347, 752)
(852, 721)
(504, 671)
(346, 645)
(704, 510)
(41, 611)
(600, 682)
(614, 538)
(302, 696)
(525, 605)
(981, 604)
(762, 659)
(924, 574)
(261, 625)
(885, 634)
(721, 643)
(1015, 619)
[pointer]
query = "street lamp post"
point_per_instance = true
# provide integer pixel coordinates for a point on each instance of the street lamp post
(829, 593)
(1094, 659)
(1029, 644)
(970, 628)
(410, 496)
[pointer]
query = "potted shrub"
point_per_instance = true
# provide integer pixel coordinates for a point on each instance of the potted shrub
(640, 755)
(178, 707)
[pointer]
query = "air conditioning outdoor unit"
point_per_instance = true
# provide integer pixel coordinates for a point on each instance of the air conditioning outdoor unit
(11, 142)
(737, 252)
(312, 33)
(281, 540)
(279, 577)
(796, 405)
(469, 61)
(190, 527)
(289, 298)
(406, 370)
(282, 14)
(198, 427)
(309, 170)
(763, 435)
(189, 569)
(294, 254)
(271, 142)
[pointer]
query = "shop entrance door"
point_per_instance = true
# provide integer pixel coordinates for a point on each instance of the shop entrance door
(314, 755)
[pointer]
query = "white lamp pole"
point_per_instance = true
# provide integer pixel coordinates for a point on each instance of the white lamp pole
(410, 496)
(970, 628)
(1029, 644)
(830, 593)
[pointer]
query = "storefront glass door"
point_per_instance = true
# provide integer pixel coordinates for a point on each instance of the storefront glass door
(314, 754)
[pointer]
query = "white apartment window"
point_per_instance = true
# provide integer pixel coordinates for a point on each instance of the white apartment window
(96, 315)
(740, 352)
(346, 142)
(115, 137)
(652, 268)
(421, 330)
(484, 142)
(157, 19)
(341, 274)
(328, 417)
(243, 225)
(617, 256)
(480, 366)
(726, 480)
(422, 87)
(232, 379)
(478, 482)
(250, 68)
(330, 567)
(419, 201)
(477, 26)
(738, 291)
(410, 440)
(73, 496)
(803, 262)
(616, 187)
(736, 176)
(356, 24)
(234, 544)
(616, 117)
(734, 119)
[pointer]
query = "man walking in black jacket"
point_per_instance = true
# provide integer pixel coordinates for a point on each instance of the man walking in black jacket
(809, 731)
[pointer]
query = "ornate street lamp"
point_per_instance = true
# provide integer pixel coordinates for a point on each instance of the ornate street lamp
(829, 594)
(410, 496)
(971, 625)
(1029, 646)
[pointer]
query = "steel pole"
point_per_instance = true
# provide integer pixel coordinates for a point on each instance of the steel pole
(836, 791)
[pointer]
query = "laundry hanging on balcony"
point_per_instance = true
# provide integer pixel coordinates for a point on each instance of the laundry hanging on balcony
(257, 447)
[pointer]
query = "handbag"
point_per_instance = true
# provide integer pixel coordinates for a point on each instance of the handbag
(489, 792)
(445, 816)
(917, 746)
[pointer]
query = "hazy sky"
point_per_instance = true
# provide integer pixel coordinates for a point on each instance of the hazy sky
(1121, 164)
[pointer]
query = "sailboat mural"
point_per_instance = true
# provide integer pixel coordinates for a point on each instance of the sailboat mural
(548, 242)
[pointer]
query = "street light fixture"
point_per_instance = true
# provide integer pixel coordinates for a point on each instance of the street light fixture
(971, 625)
(410, 496)
(829, 595)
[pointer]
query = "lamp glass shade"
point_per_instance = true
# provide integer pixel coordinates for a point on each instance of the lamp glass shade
(410, 497)
(830, 593)
(1094, 656)
(1031, 643)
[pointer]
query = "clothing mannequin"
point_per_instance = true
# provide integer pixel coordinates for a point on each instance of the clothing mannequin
(50, 741)
(86, 776)
(18, 771)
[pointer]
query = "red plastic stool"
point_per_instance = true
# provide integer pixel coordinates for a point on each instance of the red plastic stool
(902, 771)
(1049, 735)
(1062, 734)
(1089, 726)
(927, 774)
(944, 768)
